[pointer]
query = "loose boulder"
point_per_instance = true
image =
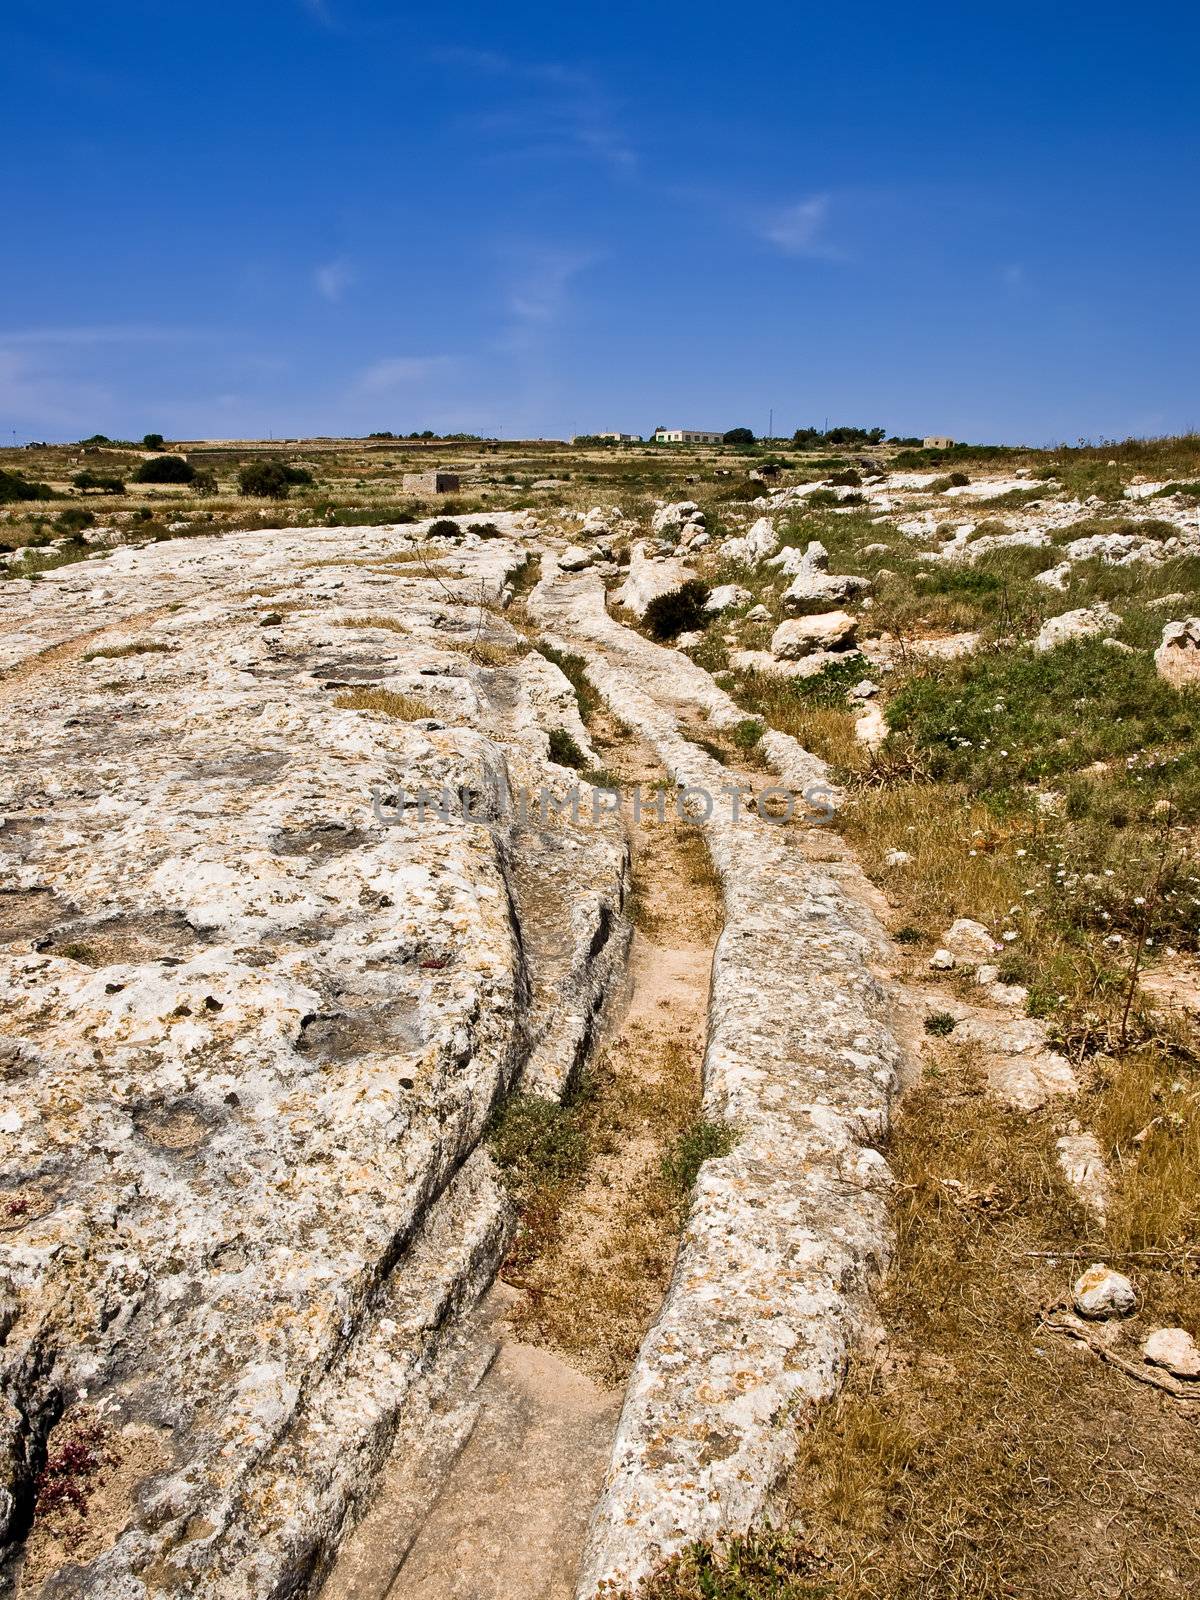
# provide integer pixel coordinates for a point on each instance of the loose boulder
(970, 941)
(1101, 1293)
(801, 636)
(1174, 1349)
(1177, 658)
(727, 595)
(1081, 624)
(754, 546)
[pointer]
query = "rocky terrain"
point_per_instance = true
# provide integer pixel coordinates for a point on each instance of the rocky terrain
(311, 863)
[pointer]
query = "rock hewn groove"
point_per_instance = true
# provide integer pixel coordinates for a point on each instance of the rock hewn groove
(785, 1232)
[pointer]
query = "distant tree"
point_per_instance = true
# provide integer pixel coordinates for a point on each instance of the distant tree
(14, 487)
(97, 482)
(152, 441)
(97, 438)
(813, 438)
(205, 481)
(165, 469)
(271, 480)
(738, 436)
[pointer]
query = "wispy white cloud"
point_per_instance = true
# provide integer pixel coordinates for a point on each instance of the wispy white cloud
(101, 333)
(397, 372)
(333, 278)
(539, 293)
(800, 229)
(550, 108)
(1013, 276)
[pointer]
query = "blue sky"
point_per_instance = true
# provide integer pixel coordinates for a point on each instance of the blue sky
(300, 216)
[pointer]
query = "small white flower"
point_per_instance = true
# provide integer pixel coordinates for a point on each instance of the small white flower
(1008, 935)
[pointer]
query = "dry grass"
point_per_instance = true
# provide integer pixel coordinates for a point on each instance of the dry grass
(485, 651)
(117, 652)
(392, 624)
(1145, 1110)
(700, 871)
(963, 861)
(405, 707)
(979, 1458)
(599, 1235)
(595, 1257)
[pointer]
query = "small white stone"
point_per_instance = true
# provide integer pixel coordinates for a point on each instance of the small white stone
(1175, 1349)
(942, 961)
(1100, 1292)
(897, 858)
(969, 941)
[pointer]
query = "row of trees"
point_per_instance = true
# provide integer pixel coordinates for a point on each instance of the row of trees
(270, 480)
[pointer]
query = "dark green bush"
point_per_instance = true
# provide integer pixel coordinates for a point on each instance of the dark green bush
(738, 436)
(698, 1143)
(678, 611)
(98, 482)
(445, 528)
(152, 441)
(271, 480)
(165, 469)
(766, 1565)
(13, 488)
(565, 751)
(536, 1143)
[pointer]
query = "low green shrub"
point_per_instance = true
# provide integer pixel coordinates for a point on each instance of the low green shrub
(13, 487)
(565, 751)
(678, 611)
(98, 483)
(164, 469)
(271, 480)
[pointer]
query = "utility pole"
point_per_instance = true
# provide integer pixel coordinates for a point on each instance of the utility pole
(771, 425)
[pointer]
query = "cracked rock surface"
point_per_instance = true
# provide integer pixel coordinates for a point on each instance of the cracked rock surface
(258, 1006)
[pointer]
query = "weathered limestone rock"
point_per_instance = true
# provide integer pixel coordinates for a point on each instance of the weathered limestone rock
(1174, 1349)
(649, 577)
(1055, 577)
(754, 546)
(669, 519)
(727, 595)
(575, 558)
(1079, 624)
(871, 727)
(1114, 549)
(1177, 658)
(260, 998)
(1101, 1293)
(1081, 1162)
(970, 941)
(812, 579)
(800, 636)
